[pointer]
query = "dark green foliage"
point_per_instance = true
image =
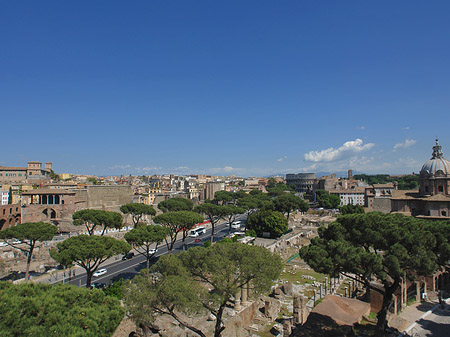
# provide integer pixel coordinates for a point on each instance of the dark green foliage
(35, 310)
(279, 189)
(200, 279)
(269, 221)
(92, 218)
(379, 245)
(137, 211)
(175, 222)
(231, 213)
(223, 197)
(249, 203)
(407, 182)
(351, 209)
(325, 200)
(143, 237)
(115, 289)
(29, 234)
(176, 204)
(94, 181)
(213, 213)
(54, 176)
(88, 252)
(287, 203)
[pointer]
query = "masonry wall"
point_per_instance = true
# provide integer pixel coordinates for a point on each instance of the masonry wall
(108, 198)
(10, 215)
(382, 205)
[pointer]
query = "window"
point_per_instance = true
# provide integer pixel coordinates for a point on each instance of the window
(444, 213)
(426, 188)
(441, 188)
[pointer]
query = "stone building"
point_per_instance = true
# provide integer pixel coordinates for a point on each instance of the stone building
(34, 173)
(378, 197)
(50, 205)
(304, 182)
(105, 197)
(432, 200)
(57, 206)
(9, 215)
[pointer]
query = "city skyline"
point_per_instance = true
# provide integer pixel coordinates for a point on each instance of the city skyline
(246, 89)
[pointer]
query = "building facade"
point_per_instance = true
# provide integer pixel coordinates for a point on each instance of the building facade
(304, 182)
(432, 200)
(34, 173)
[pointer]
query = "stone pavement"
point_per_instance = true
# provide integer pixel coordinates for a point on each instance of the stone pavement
(410, 319)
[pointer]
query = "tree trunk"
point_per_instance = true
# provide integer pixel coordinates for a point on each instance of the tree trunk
(183, 241)
(190, 327)
(212, 232)
(29, 255)
(219, 326)
(387, 299)
(88, 278)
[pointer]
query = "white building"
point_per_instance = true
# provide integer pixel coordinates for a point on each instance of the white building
(353, 196)
(5, 197)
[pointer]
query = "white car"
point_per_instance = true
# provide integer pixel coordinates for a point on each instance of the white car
(100, 272)
(236, 225)
(153, 251)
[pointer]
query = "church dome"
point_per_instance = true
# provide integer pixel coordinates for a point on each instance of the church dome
(437, 165)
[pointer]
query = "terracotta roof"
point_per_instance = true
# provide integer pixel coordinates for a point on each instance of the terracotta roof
(12, 168)
(414, 195)
(388, 185)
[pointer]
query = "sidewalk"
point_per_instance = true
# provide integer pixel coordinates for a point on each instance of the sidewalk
(407, 319)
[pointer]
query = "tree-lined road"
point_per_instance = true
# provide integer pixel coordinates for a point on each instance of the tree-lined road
(129, 268)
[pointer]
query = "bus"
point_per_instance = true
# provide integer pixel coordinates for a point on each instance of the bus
(197, 232)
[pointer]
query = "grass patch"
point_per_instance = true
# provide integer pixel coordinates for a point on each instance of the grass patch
(410, 301)
(295, 275)
(318, 301)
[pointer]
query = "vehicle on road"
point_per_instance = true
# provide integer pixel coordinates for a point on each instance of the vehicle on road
(128, 256)
(98, 285)
(153, 251)
(196, 232)
(236, 225)
(100, 272)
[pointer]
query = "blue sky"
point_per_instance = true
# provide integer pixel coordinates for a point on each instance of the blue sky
(231, 87)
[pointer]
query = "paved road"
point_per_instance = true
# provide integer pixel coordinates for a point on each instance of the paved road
(435, 324)
(129, 268)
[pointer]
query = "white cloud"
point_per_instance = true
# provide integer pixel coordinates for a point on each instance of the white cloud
(281, 159)
(405, 128)
(120, 167)
(147, 168)
(220, 170)
(407, 143)
(348, 149)
(362, 127)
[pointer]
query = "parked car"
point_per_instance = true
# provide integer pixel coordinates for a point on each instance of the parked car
(128, 256)
(98, 285)
(100, 272)
(153, 251)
